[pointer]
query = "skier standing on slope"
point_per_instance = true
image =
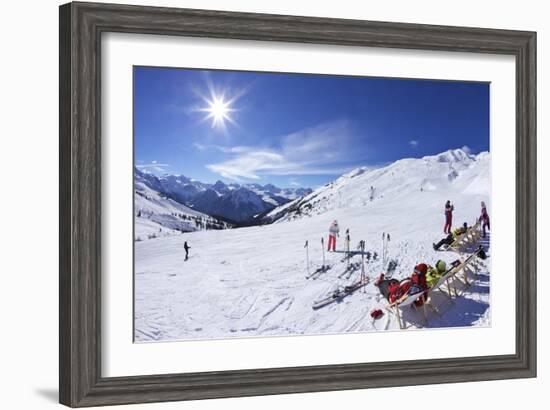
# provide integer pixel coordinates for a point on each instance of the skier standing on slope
(186, 247)
(486, 224)
(333, 232)
(449, 208)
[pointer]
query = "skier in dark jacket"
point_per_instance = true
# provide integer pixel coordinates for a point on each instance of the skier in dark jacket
(449, 208)
(450, 238)
(186, 247)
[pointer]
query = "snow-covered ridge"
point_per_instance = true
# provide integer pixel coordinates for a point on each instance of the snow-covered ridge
(450, 171)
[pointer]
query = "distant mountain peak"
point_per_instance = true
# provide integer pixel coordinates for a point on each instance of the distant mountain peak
(220, 186)
(452, 155)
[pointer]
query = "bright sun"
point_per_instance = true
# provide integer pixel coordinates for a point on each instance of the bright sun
(218, 110)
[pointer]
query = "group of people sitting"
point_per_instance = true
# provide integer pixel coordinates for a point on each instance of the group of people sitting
(423, 278)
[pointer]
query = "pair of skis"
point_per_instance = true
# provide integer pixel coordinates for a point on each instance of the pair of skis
(318, 271)
(352, 267)
(340, 293)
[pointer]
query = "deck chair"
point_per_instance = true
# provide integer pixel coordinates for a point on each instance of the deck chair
(403, 302)
(471, 266)
(446, 284)
(468, 238)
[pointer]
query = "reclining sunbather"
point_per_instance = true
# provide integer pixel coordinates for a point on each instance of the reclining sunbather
(449, 239)
(394, 290)
(435, 272)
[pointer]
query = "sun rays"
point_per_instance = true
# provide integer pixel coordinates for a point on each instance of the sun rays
(219, 111)
(219, 105)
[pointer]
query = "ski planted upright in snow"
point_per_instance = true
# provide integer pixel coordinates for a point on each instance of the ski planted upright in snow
(324, 267)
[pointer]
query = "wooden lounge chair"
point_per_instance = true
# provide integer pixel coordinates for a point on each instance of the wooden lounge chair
(446, 283)
(403, 302)
(468, 238)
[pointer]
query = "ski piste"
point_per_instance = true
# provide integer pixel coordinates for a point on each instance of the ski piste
(272, 269)
(339, 294)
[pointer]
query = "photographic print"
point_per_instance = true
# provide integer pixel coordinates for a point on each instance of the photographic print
(284, 204)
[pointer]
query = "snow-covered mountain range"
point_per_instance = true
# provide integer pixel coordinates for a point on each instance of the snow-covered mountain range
(233, 202)
(156, 215)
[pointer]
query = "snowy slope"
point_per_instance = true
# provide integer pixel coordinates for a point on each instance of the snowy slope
(251, 281)
(454, 171)
(157, 216)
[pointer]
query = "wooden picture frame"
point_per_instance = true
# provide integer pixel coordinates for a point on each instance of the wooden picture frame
(81, 27)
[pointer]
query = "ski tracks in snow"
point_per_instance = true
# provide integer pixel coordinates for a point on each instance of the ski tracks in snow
(284, 304)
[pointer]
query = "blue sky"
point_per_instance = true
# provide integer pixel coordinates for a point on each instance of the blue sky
(296, 129)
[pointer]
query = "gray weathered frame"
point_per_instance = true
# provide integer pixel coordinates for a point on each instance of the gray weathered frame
(80, 380)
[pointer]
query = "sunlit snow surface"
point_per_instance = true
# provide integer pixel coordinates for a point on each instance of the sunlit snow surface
(250, 282)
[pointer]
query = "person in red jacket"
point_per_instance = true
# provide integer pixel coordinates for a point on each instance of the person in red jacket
(393, 289)
(449, 208)
(486, 223)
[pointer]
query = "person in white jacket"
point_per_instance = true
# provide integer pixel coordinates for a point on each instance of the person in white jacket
(333, 232)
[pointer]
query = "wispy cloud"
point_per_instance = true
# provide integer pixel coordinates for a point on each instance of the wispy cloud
(153, 166)
(413, 143)
(326, 149)
(227, 150)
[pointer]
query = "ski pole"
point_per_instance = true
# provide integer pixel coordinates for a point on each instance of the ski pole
(348, 256)
(307, 256)
(362, 245)
(323, 248)
(387, 246)
(383, 248)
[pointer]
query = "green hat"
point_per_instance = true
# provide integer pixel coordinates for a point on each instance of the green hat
(441, 266)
